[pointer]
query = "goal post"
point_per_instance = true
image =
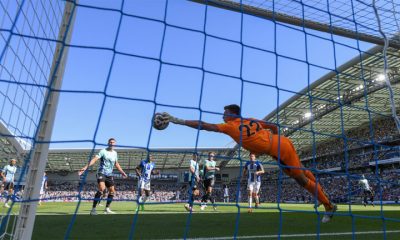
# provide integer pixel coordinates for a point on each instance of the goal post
(35, 162)
(300, 21)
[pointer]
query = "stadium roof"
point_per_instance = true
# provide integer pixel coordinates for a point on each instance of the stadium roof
(356, 93)
(10, 147)
(344, 99)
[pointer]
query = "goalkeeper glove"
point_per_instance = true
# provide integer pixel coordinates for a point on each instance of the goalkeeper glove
(173, 119)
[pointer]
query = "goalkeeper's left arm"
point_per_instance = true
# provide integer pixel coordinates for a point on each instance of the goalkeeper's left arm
(192, 123)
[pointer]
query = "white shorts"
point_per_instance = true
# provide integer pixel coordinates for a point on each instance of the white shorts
(144, 185)
(254, 186)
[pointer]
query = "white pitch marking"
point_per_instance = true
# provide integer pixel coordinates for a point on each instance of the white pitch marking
(294, 235)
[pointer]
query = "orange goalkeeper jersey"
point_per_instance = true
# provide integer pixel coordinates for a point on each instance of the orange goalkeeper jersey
(249, 133)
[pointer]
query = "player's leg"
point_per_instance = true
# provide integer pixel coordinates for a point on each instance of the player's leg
(313, 188)
(10, 190)
(196, 193)
(109, 183)
(316, 190)
(310, 175)
(371, 199)
(210, 190)
(212, 200)
(2, 191)
(97, 196)
(146, 192)
(204, 198)
(41, 195)
(250, 188)
(192, 188)
(104, 195)
(101, 186)
(145, 196)
(110, 197)
(365, 198)
(255, 194)
(140, 194)
(193, 192)
(206, 195)
(293, 168)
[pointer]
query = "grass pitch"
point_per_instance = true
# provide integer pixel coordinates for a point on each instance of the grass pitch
(171, 221)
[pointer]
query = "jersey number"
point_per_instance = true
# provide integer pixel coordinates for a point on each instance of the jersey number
(251, 128)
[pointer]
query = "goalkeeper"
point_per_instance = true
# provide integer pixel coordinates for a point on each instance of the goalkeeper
(254, 136)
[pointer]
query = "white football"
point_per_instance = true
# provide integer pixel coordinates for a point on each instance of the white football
(160, 122)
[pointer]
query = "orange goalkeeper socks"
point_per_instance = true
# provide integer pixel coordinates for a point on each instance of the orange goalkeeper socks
(310, 186)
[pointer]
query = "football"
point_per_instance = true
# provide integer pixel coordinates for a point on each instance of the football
(160, 122)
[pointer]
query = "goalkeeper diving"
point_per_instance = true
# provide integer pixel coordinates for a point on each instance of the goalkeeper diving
(259, 137)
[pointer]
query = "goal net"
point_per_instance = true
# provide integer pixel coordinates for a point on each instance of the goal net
(325, 72)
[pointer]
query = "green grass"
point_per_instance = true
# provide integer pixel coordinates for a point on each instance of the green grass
(169, 221)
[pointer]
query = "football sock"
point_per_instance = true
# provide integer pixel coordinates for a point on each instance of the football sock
(96, 198)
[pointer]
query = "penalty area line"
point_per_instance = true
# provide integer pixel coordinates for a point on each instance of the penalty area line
(296, 235)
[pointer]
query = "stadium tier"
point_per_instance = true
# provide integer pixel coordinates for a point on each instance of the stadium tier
(129, 159)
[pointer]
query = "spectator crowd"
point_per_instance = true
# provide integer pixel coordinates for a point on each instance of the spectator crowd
(338, 165)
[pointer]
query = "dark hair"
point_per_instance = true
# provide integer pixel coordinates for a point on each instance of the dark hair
(233, 108)
(111, 139)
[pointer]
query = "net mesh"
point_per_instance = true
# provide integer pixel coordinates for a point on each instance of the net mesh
(118, 44)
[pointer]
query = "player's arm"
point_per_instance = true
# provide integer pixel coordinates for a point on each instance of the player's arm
(245, 170)
(120, 169)
(138, 170)
(244, 173)
(201, 125)
(196, 124)
(3, 175)
(193, 171)
(260, 171)
(93, 161)
(212, 168)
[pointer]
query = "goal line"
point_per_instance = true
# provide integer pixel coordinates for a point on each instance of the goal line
(299, 235)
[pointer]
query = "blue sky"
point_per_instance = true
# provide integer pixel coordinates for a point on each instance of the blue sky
(179, 66)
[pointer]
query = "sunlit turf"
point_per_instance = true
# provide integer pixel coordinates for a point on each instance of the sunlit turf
(163, 221)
